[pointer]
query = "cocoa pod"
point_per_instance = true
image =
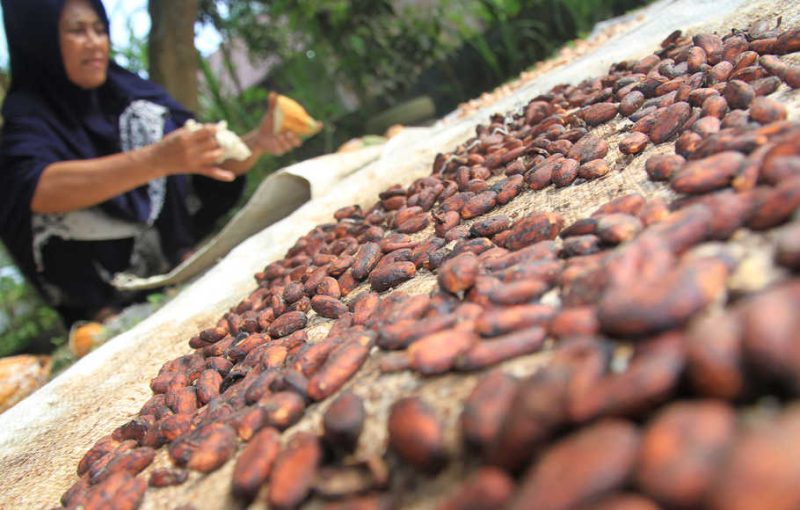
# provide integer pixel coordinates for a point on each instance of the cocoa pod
(633, 143)
(669, 121)
(166, 477)
(504, 320)
(391, 275)
(487, 488)
(437, 353)
(459, 273)
(254, 464)
(534, 228)
(588, 148)
(416, 435)
(343, 422)
(340, 366)
(599, 458)
(287, 323)
(501, 348)
(598, 113)
(683, 448)
(293, 471)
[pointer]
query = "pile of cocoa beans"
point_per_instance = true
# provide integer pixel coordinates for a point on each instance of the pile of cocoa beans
(664, 388)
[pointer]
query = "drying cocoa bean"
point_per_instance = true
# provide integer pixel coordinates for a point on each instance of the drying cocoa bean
(166, 477)
(633, 143)
(343, 422)
(459, 273)
(534, 228)
(391, 275)
(254, 464)
(437, 353)
(487, 488)
(617, 228)
(340, 366)
(293, 471)
(416, 435)
(598, 113)
(501, 348)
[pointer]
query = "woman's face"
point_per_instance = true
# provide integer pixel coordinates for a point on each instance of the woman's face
(84, 44)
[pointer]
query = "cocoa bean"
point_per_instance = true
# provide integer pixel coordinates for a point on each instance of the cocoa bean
(499, 321)
(739, 94)
(534, 228)
(436, 353)
(598, 113)
(617, 228)
(282, 409)
(599, 458)
(254, 464)
(401, 334)
(459, 273)
(565, 172)
(391, 275)
(416, 435)
(327, 306)
(584, 226)
(489, 226)
(704, 175)
(577, 246)
(631, 102)
(340, 366)
(683, 448)
(343, 422)
(287, 323)
(486, 489)
(166, 477)
(173, 426)
(293, 471)
(633, 143)
(788, 41)
(508, 189)
(119, 491)
(787, 247)
(519, 292)
(588, 148)
(575, 321)
(501, 348)
(774, 206)
(479, 204)
(133, 462)
(668, 121)
(714, 106)
(485, 409)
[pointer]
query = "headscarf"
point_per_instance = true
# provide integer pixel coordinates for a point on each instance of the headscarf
(49, 119)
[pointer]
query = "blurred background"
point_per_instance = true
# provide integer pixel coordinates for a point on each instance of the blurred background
(360, 66)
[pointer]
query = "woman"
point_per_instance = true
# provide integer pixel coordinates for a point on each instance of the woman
(97, 174)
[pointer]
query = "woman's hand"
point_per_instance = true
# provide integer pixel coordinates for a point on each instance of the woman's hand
(269, 141)
(191, 152)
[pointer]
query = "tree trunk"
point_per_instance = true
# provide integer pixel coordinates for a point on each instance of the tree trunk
(171, 52)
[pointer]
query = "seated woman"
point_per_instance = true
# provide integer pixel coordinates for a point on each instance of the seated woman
(97, 174)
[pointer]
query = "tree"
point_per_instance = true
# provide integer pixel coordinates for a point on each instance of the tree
(171, 52)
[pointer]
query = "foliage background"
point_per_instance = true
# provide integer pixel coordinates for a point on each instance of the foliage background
(346, 61)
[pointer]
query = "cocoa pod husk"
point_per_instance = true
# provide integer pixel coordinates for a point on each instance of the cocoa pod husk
(599, 458)
(416, 435)
(683, 448)
(340, 366)
(293, 471)
(253, 466)
(343, 421)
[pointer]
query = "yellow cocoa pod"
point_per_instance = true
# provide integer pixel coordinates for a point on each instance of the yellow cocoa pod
(289, 115)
